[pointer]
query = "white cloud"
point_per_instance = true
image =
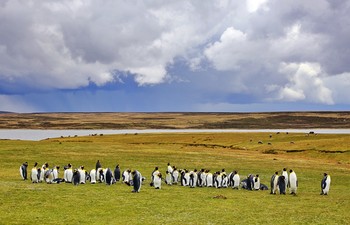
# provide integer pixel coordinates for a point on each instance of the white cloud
(305, 83)
(229, 46)
(68, 44)
(254, 5)
(339, 84)
(227, 53)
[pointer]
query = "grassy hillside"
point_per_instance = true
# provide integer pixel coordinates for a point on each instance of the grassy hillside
(309, 155)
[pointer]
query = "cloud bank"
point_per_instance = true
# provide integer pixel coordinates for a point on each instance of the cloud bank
(297, 51)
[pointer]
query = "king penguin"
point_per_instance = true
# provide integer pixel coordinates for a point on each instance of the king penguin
(325, 184)
(23, 170)
(34, 174)
(137, 181)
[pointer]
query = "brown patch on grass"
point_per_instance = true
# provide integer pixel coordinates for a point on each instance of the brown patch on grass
(220, 197)
(275, 120)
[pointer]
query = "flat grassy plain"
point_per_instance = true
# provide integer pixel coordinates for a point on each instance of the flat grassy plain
(309, 155)
(175, 120)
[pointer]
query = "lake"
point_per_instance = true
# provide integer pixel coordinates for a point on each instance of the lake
(35, 135)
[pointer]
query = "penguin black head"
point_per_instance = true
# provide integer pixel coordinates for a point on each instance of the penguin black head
(35, 164)
(325, 174)
(284, 169)
(290, 171)
(276, 172)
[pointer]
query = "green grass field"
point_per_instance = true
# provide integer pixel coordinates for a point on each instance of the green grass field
(310, 156)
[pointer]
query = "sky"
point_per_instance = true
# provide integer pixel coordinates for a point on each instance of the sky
(174, 56)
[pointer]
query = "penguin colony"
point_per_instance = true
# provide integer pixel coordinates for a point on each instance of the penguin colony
(173, 176)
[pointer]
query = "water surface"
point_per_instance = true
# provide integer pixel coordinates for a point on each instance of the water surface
(35, 135)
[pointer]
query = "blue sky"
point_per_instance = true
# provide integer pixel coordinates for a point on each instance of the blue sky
(151, 56)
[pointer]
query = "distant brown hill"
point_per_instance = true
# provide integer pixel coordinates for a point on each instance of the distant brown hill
(175, 120)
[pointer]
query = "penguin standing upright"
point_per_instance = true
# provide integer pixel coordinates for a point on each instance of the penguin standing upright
(34, 174)
(250, 182)
(293, 182)
(209, 178)
(126, 176)
(224, 181)
(230, 179)
(109, 177)
(100, 175)
(175, 175)
(76, 177)
(42, 171)
(68, 173)
(117, 173)
(155, 172)
(199, 178)
(273, 183)
(193, 179)
(325, 184)
(256, 181)
(55, 172)
(137, 181)
(236, 180)
(93, 176)
(170, 168)
(23, 170)
(217, 179)
(157, 181)
(282, 184)
(48, 176)
(168, 178)
(98, 165)
(182, 178)
(83, 174)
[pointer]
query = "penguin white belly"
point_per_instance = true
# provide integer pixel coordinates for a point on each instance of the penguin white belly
(157, 182)
(34, 175)
(93, 176)
(236, 180)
